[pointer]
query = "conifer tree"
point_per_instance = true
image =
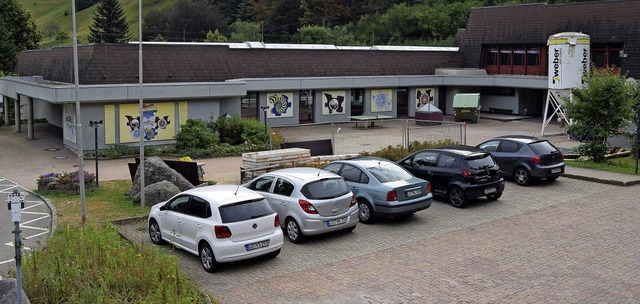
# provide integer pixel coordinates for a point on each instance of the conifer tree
(109, 24)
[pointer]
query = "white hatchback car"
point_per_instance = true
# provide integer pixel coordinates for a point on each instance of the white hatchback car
(220, 223)
(309, 201)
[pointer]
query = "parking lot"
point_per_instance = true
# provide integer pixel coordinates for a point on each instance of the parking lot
(564, 241)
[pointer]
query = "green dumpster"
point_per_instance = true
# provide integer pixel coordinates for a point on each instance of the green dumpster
(466, 107)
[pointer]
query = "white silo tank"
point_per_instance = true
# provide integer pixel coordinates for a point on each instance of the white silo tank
(569, 60)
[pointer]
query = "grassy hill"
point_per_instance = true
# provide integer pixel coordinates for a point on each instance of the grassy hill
(59, 12)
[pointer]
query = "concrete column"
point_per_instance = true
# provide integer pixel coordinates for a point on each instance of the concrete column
(5, 106)
(30, 120)
(16, 107)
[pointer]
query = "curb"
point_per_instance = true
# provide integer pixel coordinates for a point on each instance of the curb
(602, 181)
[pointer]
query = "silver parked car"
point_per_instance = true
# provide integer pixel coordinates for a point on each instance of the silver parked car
(382, 188)
(309, 201)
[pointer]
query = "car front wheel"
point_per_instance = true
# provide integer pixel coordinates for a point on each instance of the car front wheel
(207, 258)
(457, 198)
(521, 176)
(293, 232)
(154, 232)
(366, 213)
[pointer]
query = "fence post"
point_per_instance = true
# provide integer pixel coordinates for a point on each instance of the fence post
(333, 139)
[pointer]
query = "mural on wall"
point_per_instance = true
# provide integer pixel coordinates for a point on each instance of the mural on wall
(424, 96)
(333, 102)
(154, 123)
(69, 112)
(280, 105)
(381, 100)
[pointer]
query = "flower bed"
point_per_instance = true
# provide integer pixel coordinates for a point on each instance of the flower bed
(66, 182)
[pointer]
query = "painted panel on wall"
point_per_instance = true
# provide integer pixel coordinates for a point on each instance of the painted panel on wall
(333, 102)
(424, 96)
(110, 124)
(381, 100)
(69, 130)
(280, 105)
(156, 118)
(183, 112)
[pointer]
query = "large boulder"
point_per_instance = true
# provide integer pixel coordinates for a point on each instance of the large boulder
(156, 170)
(158, 192)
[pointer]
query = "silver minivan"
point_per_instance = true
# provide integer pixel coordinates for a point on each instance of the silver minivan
(309, 201)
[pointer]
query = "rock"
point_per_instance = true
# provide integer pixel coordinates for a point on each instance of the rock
(156, 170)
(158, 192)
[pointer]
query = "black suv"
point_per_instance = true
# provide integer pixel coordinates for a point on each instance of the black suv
(458, 173)
(525, 158)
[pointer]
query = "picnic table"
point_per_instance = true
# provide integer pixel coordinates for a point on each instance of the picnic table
(369, 120)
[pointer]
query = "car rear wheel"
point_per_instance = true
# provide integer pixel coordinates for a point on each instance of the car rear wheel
(154, 232)
(495, 196)
(293, 231)
(457, 198)
(366, 213)
(521, 176)
(207, 258)
(273, 254)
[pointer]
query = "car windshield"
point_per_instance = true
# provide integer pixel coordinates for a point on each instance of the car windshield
(246, 210)
(389, 173)
(480, 163)
(542, 147)
(325, 188)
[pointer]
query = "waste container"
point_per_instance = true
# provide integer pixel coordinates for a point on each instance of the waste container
(428, 115)
(466, 107)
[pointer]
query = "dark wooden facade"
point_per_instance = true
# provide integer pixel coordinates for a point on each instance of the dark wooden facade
(607, 23)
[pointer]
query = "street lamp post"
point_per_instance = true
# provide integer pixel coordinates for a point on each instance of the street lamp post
(95, 124)
(266, 130)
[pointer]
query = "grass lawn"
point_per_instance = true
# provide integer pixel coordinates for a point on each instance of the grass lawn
(108, 202)
(625, 165)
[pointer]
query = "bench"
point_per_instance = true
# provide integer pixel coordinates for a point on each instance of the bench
(369, 120)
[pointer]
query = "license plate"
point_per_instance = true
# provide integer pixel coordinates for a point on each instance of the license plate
(256, 245)
(489, 190)
(556, 170)
(411, 193)
(336, 222)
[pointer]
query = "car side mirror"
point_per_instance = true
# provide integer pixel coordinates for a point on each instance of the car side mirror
(164, 207)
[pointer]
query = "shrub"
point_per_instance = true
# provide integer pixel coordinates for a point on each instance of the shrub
(88, 265)
(396, 153)
(195, 134)
(70, 179)
(230, 129)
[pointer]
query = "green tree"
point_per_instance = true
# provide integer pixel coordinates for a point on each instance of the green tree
(18, 32)
(242, 31)
(187, 20)
(109, 24)
(215, 37)
(51, 28)
(603, 107)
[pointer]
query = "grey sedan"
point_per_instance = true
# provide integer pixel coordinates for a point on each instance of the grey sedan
(382, 188)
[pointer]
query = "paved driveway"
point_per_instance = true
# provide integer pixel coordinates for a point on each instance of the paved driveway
(566, 241)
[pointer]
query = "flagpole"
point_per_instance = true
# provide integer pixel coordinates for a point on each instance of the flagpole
(79, 146)
(141, 122)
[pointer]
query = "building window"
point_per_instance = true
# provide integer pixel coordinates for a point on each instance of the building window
(513, 59)
(518, 56)
(249, 105)
(533, 56)
(606, 55)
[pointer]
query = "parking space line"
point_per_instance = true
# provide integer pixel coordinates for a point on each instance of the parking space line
(34, 228)
(33, 220)
(7, 261)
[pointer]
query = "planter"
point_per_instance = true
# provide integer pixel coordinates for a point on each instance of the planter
(66, 189)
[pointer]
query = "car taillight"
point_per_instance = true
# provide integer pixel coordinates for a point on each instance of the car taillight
(353, 200)
(222, 232)
(467, 173)
(307, 207)
(392, 196)
(276, 222)
(428, 187)
(536, 159)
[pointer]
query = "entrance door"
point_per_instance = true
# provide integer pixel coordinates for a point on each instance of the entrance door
(403, 102)
(305, 104)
